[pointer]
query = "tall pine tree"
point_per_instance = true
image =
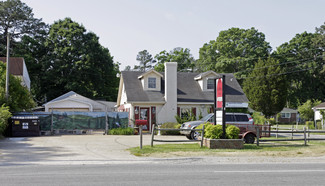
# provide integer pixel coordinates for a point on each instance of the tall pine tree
(266, 87)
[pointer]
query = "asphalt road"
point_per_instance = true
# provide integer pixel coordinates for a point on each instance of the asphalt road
(165, 174)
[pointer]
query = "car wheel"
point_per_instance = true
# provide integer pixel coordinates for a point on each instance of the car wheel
(195, 135)
(249, 138)
(188, 136)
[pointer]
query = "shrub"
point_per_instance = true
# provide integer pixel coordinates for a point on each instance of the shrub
(213, 131)
(319, 125)
(170, 125)
(306, 111)
(121, 131)
(205, 127)
(4, 116)
(310, 124)
(188, 116)
(258, 118)
(271, 121)
(232, 132)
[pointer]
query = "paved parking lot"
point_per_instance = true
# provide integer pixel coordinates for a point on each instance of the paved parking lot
(109, 149)
(72, 149)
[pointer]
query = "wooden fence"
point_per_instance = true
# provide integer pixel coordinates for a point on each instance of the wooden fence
(306, 136)
(173, 141)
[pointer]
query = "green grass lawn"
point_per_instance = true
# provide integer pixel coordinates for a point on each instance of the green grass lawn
(295, 127)
(281, 149)
(288, 127)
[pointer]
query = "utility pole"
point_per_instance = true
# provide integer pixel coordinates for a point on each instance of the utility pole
(7, 69)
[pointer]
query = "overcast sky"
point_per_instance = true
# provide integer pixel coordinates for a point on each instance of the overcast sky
(126, 27)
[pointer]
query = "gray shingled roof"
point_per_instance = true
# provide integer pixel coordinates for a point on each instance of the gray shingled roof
(64, 96)
(188, 90)
(322, 105)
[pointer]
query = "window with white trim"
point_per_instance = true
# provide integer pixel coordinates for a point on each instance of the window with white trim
(285, 115)
(210, 84)
(151, 82)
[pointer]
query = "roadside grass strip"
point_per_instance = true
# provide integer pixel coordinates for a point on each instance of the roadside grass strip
(278, 149)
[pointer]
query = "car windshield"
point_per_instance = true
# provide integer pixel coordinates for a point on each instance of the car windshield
(205, 118)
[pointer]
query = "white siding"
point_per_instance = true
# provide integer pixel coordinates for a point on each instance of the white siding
(123, 97)
(317, 115)
(68, 105)
(26, 78)
(144, 81)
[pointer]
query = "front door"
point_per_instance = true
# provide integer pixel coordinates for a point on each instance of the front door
(144, 115)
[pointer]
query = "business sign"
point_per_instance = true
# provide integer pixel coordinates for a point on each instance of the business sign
(219, 103)
(219, 93)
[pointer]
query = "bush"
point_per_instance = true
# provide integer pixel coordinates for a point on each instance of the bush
(4, 116)
(271, 121)
(310, 124)
(232, 132)
(178, 126)
(306, 111)
(258, 118)
(188, 116)
(319, 125)
(213, 131)
(170, 125)
(205, 128)
(121, 131)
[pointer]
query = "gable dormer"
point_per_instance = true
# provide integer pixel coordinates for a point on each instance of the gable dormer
(206, 80)
(151, 80)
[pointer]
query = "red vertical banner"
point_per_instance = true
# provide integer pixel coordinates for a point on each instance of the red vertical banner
(219, 93)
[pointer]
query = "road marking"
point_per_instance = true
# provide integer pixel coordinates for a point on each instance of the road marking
(270, 171)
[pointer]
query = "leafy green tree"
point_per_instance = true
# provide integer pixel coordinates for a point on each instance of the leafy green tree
(146, 61)
(306, 111)
(33, 50)
(4, 116)
(19, 97)
(127, 68)
(27, 35)
(76, 61)
(208, 55)
(319, 41)
(17, 19)
(266, 88)
(234, 50)
(304, 67)
(183, 57)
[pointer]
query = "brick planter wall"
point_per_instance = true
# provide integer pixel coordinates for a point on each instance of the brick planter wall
(223, 143)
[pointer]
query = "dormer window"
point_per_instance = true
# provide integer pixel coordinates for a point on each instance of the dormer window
(206, 80)
(210, 84)
(151, 82)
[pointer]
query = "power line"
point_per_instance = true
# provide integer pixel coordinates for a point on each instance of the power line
(288, 62)
(256, 58)
(278, 74)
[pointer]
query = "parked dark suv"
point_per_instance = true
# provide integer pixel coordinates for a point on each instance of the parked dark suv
(242, 120)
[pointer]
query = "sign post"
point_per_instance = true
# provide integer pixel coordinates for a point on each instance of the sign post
(220, 103)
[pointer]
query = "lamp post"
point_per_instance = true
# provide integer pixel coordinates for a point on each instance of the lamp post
(7, 69)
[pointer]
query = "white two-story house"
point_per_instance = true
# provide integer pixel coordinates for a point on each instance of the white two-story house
(159, 97)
